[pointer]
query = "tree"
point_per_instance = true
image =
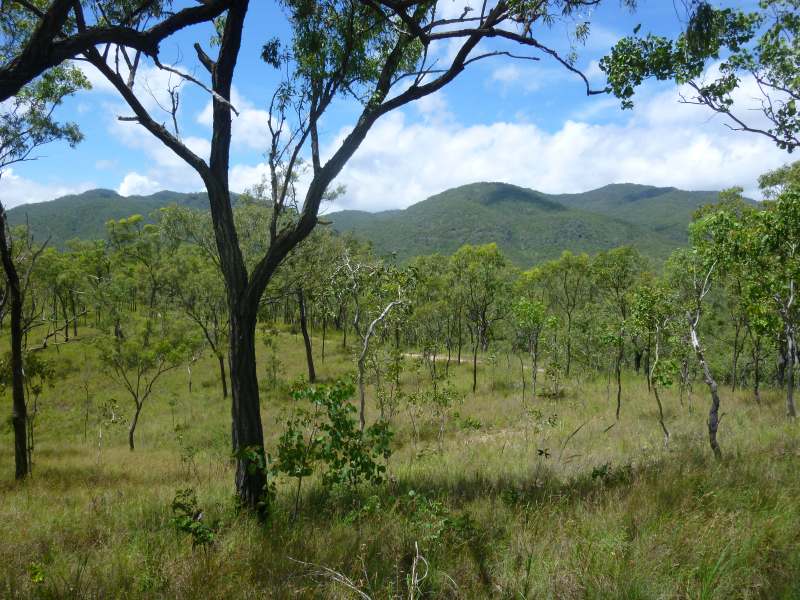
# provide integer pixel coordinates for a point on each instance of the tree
(530, 319)
(653, 311)
(568, 285)
(691, 276)
(375, 51)
(201, 298)
(139, 353)
(27, 123)
(38, 37)
(377, 292)
(483, 274)
(763, 45)
(616, 273)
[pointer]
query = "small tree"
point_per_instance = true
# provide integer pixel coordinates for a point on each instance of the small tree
(482, 273)
(140, 353)
(530, 319)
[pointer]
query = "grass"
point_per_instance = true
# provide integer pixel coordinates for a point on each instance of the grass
(515, 503)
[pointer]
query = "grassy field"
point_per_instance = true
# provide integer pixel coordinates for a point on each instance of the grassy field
(519, 500)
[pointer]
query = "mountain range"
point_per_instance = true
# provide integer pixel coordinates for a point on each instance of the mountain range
(529, 226)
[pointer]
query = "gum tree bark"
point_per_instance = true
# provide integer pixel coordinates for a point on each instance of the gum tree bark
(301, 301)
(19, 416)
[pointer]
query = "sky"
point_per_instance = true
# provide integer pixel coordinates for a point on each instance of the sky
(521, 122)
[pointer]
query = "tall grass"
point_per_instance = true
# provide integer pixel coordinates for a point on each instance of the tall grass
(536, 499)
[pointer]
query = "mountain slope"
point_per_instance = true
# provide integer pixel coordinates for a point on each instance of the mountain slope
(85, 215)
(530, 226)
(666, 210)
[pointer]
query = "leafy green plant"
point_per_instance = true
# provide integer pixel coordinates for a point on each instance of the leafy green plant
(188, 518)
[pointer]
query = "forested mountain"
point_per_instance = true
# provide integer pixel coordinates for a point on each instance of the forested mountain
(527, 225)
(85, 215)
(530, 226)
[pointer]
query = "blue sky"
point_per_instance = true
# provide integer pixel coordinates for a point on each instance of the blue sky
(522, 122)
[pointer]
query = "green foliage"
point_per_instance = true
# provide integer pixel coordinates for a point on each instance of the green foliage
(762, 44)
(323, 430)
(187, 517)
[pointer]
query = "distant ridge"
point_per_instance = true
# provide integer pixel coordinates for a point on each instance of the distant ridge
(85, 215)
(529, 226)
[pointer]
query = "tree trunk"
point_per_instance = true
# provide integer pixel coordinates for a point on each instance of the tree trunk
(475, 366)
(569, 343)
(344, 330)
(246, 432)
(713, 413)
(618, 370)
(791, 411)
(324, 332)
(132, 428)
(301, 301)
(19, 415)
(735, 362)
(222, 377)
(74, 315)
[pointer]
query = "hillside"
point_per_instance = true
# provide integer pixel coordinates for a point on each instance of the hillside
(85, 215)
(530, 226)
(666, 210)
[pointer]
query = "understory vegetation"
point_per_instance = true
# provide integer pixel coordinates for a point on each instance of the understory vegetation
(513, 502)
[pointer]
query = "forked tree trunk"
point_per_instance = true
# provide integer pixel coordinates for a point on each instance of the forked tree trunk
(312, 376)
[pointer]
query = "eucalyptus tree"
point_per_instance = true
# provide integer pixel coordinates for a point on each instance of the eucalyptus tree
(691, 275)
(431, 317)
(201, 298)
(567, 281)
(382, 53)
(777, 256)
(529, 320)
(616, 274)
(653, 310)
(760, 45)
(379, 293)
(26, 123)
(484, 275)
(140, 352)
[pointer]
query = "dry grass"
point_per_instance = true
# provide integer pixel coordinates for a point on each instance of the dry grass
(515, 505)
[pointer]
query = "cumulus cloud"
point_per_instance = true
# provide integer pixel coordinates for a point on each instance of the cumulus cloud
(249, 130)
(135, 184)
(662, 143)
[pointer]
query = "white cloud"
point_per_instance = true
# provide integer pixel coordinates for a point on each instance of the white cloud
(135, 184)
(662, 143)
(249, 130)
(508, 73)
(16, 190)
(244, 177)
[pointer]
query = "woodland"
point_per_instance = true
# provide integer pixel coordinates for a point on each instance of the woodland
(233, 399)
